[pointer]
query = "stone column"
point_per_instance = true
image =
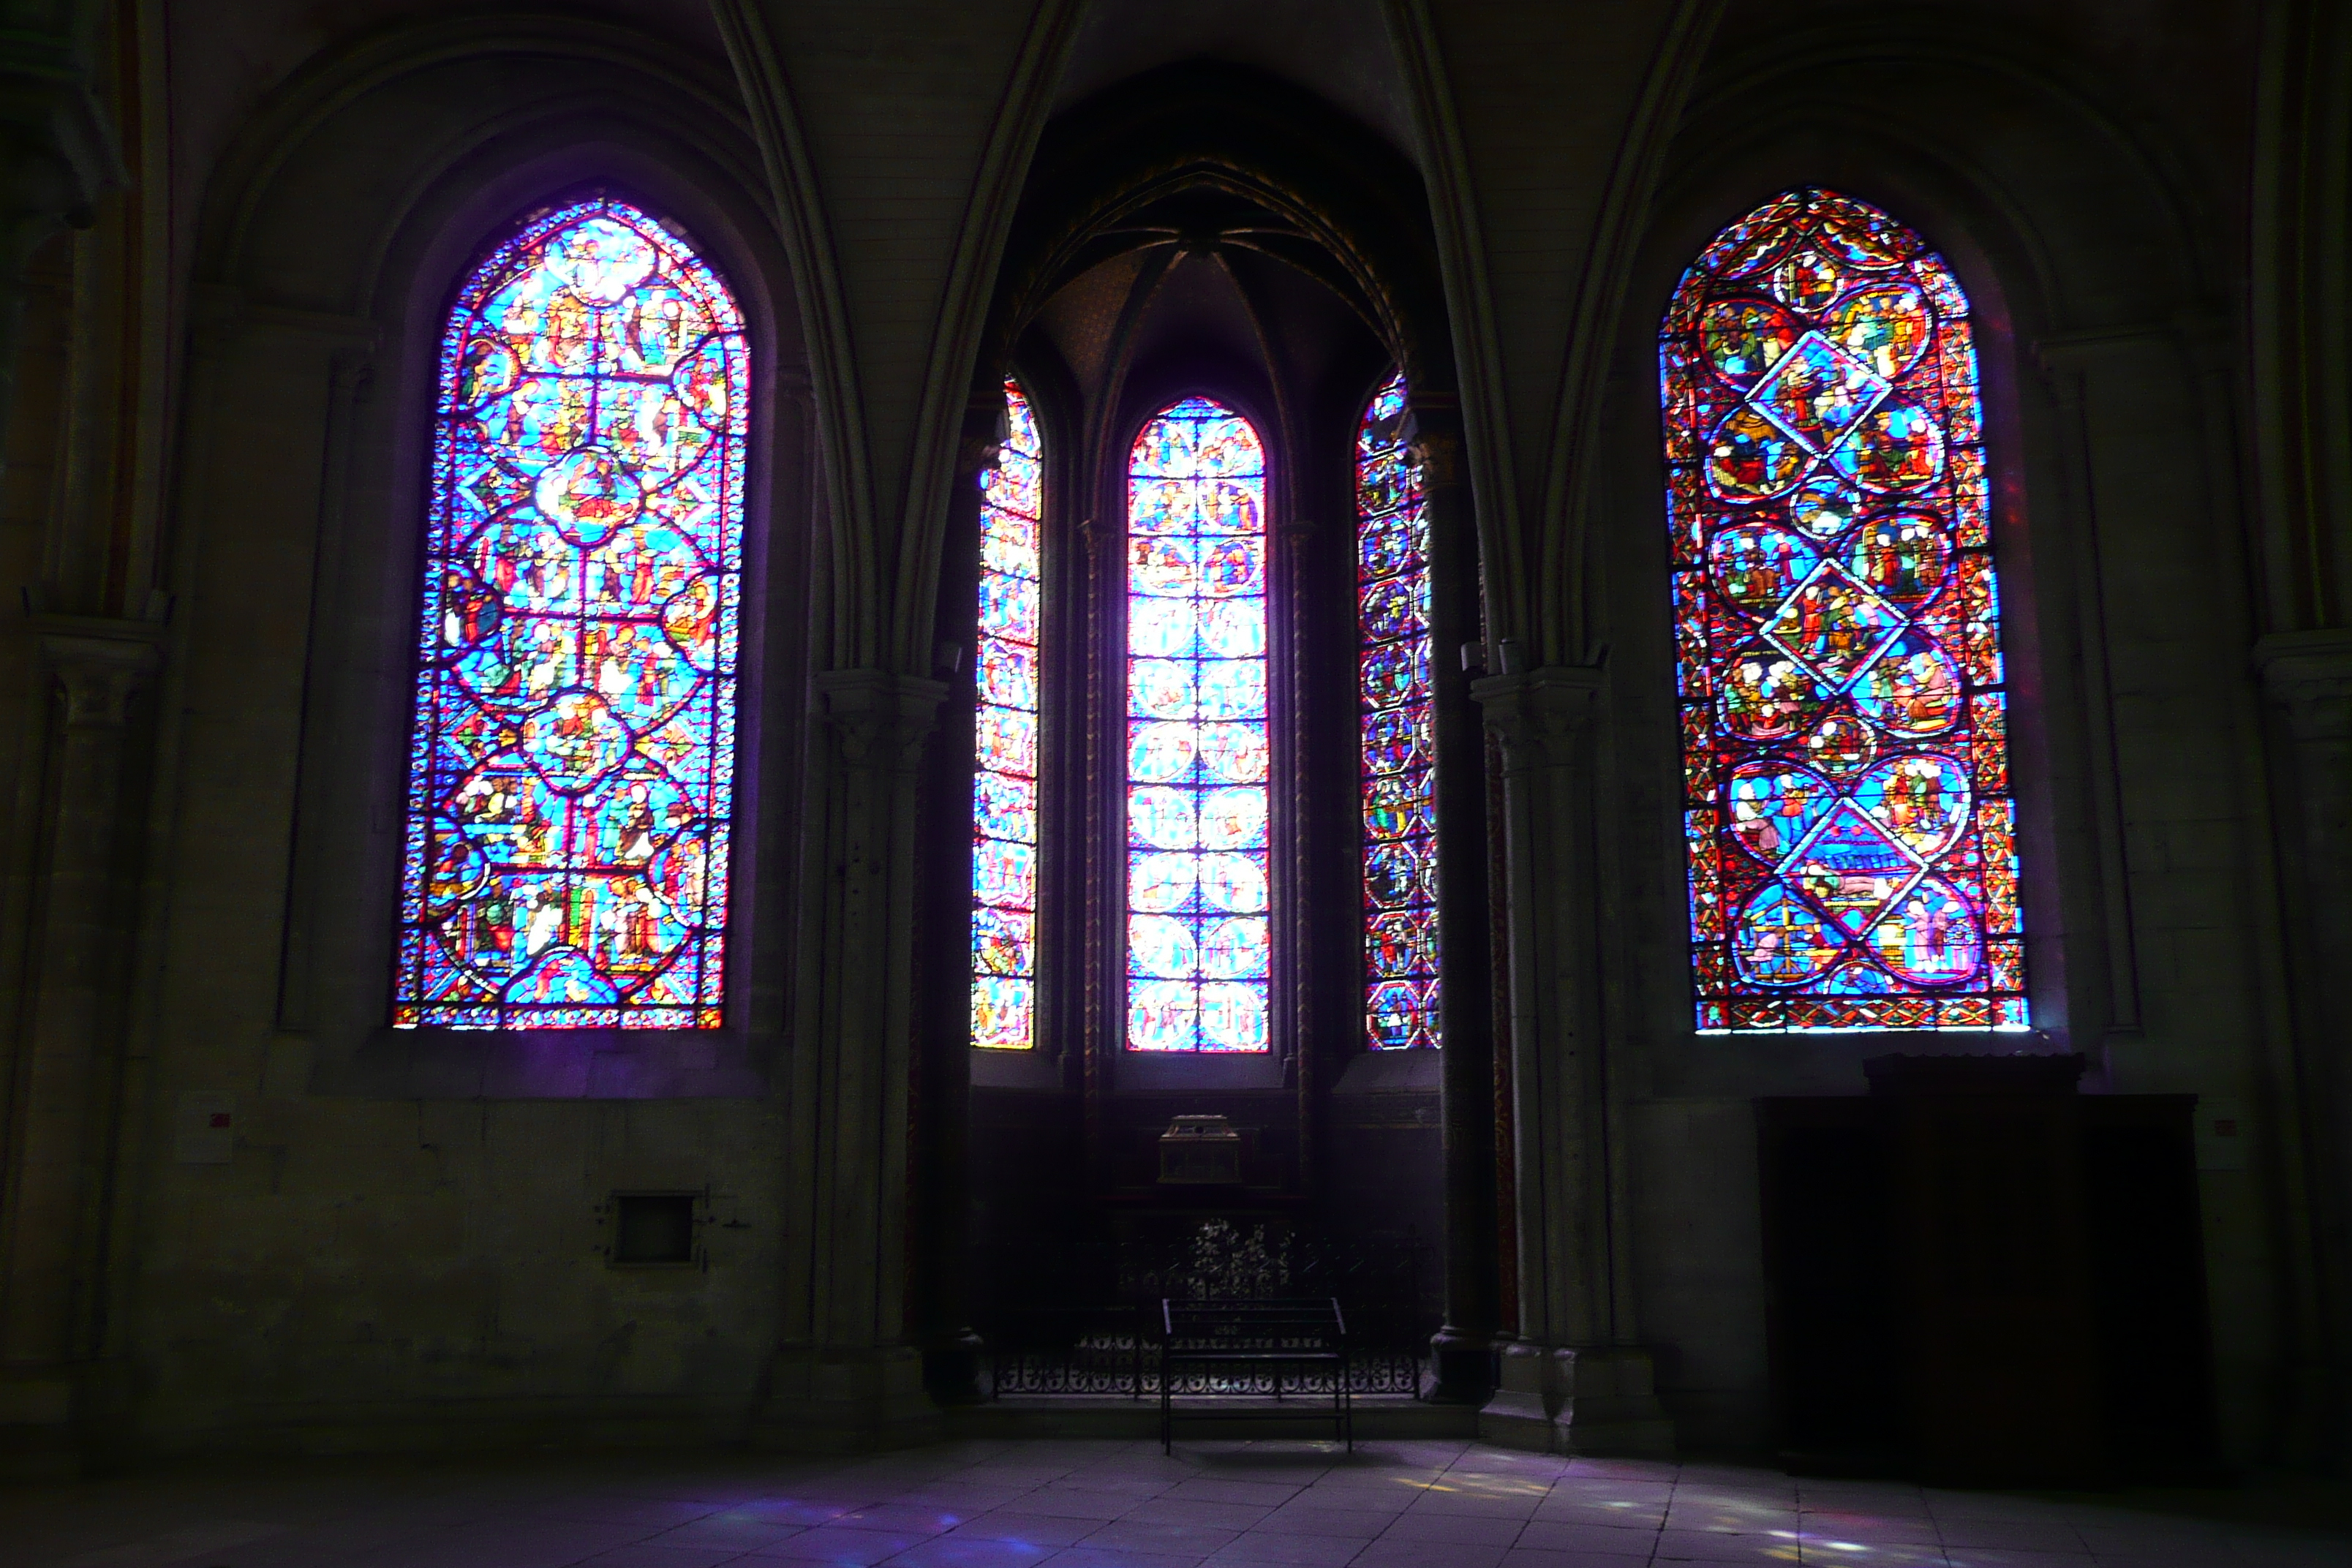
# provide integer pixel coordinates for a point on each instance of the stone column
(943, 1121)
(2308, 675)
(62, 1090)
(1463, 1349)
(1572, 1381)
(849, 1373)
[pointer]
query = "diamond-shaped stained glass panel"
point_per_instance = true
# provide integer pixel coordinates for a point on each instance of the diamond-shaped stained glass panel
(1851, 853)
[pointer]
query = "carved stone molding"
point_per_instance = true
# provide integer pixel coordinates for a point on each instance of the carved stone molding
(975, 455)
(1439, 454)
(2309, 675)
(1540, 714)
(99, 669)
(881, 720)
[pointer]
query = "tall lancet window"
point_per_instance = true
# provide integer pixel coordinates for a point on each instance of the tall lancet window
(1396, 712)
(570, 767)
(1851, 832)
(1197, 743)
(1004, 787)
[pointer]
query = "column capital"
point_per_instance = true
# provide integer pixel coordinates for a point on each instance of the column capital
(99, 663)
(2309, 673)
(56, 142)
(882, 717)
(1539, 713)
(975, 455)
(1439, 455)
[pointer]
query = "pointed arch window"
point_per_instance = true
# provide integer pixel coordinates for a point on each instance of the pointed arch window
(1004, 787)
(571, 772)
(1850, 829)
(1397, 713)
(1198, 747)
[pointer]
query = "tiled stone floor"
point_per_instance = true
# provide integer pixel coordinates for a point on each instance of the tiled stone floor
(1109, 1505)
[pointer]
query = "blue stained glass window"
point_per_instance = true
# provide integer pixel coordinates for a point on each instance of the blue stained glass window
(1198, 942)
(1396, 712)
(1851, 835)
(570, 767)
(1004, 787)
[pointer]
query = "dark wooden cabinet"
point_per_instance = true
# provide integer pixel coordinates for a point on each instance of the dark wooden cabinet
(1977, 1276)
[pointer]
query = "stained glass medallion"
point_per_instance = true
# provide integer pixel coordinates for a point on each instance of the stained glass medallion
(1004, 784)
(1198, 944)
(1395, 712)
(1849, 827)
(571, 762)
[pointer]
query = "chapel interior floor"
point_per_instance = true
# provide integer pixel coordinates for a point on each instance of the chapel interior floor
(1111, 1504)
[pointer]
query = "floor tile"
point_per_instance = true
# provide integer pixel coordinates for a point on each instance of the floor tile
(1083, 1556)
(1387, 1553)
(1466, 1529)
(1041, 1529)
(1174, 1540)
(961, 1551)
(839, 1546)
(1535, 1557)
(1551, 1536)
(1304, 1551)
(2016, 1535)
(1186, 1510)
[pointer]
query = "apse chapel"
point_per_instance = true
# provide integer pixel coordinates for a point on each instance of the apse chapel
(731, 721)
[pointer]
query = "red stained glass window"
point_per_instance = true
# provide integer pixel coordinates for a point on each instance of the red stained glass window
(1395, 712)
(1849, 831)
(1004, 788)
(571, 761)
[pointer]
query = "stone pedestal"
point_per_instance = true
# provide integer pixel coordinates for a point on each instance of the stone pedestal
(1601, 1400)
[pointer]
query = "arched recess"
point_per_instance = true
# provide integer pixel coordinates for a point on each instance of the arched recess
(325, 266)
(1206, 231)
(2081, 244)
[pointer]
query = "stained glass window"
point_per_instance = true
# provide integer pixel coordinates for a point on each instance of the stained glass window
(570, 766)
(1851, 835)
(1005, 786)
(1395, 709)
(1197, 943)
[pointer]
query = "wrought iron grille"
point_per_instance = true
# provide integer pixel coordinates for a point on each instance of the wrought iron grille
(1104, 1356)
(1112, 1351)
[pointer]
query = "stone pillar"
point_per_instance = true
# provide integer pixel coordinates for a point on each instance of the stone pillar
(1573, 1380)
(1463, 1349)
(943, 1121)
(849, 1373)
(2308, 675)
(61, 1102)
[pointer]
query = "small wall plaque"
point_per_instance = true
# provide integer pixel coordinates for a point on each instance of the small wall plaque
(1200, 1150)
